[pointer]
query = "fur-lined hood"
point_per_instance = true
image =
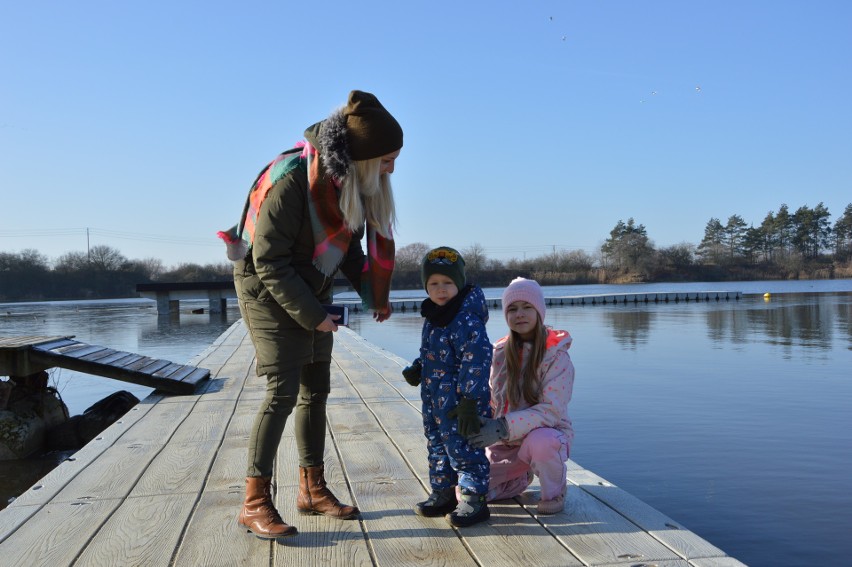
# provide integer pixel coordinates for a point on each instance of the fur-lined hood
(329, 138)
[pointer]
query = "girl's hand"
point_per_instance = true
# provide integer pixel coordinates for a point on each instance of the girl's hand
(383, 315)
(328, 325)
(490, 432)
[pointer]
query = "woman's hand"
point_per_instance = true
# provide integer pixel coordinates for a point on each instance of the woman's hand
(328, 325)
(383, 315)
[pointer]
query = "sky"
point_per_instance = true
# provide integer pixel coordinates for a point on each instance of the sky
(529, 127)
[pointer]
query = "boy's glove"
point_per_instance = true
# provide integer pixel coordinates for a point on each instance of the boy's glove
(467, 415)
(491, 431)
(412, 373)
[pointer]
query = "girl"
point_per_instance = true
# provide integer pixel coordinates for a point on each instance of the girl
(531, 382)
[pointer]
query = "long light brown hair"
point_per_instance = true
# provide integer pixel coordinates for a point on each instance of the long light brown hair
(523, 378)
(367, 195)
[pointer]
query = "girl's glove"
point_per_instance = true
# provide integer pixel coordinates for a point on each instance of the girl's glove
(467, 415)
(412, 373)
(491, 431)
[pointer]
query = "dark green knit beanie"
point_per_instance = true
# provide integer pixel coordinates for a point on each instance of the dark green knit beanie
(446, 261)
(371, 131)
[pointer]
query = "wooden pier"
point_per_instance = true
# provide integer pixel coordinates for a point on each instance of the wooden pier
(168, 295)
(22, 356)
(163, 486)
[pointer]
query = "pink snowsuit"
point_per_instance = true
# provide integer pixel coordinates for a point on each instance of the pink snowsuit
(540, 435)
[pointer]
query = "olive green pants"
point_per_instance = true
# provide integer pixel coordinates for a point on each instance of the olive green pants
(306, 389)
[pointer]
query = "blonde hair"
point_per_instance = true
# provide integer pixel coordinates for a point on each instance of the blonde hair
(526, 384)
(366, 195)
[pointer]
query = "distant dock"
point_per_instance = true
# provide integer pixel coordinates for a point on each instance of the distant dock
(163, 485)
(599, 299)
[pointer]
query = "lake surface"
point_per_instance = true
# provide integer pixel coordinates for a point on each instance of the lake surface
(731, 417)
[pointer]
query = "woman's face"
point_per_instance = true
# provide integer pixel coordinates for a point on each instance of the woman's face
(388, 162)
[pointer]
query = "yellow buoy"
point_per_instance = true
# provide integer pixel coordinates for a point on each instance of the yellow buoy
(767, 296)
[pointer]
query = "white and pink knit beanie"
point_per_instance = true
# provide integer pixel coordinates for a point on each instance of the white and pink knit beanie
(522, 289)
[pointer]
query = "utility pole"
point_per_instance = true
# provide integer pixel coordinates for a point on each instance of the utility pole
(88, 248)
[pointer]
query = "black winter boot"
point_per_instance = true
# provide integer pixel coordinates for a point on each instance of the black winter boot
(471, 510)
(440, 503)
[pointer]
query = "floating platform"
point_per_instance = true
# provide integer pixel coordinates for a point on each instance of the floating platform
(404, 305)
(22, 356)
(163, 486)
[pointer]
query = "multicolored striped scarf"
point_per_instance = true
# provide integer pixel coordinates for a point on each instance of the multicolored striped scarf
(331, 235)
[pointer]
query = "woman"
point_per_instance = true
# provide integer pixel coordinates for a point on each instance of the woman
(304, 219)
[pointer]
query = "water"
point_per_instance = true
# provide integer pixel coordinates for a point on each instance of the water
(730, 417)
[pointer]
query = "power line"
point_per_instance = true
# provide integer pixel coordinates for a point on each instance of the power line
(137, 236)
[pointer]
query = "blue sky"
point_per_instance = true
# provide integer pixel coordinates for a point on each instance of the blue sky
(529, 126)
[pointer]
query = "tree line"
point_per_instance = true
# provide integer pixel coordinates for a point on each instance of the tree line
(102, 272)
(785, 245)
(802, 244)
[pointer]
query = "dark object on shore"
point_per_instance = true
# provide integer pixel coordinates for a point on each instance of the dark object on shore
(28, 408)
(82, 428)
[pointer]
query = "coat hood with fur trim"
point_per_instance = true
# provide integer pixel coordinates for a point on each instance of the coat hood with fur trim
(329, 138)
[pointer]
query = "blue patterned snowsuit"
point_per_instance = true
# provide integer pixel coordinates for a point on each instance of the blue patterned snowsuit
(456, 362)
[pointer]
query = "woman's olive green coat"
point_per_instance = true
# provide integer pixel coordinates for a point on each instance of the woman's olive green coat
(280, 291)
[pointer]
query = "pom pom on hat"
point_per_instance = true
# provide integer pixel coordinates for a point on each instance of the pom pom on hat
(446, 261)
(522, 289)
(371, 131)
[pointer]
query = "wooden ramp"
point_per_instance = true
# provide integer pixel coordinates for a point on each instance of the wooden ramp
(163, 486)
(21, 356)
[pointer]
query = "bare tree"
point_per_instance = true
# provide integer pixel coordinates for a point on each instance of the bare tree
(474, 260)
(409, 257)
(106, 258)
(72, 262)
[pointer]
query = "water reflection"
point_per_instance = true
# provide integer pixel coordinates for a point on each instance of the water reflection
(812, 322)
(630, 328)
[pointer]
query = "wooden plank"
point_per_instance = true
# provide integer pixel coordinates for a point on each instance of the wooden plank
(213, 538)
(513, 537)
(397, 415)
(24, 342)
(321, 540)
(168, 371)
(596, 534)
(57, 533)
(400, 537)
(116, 358)
(154, 366)
(182, 373)
(78, 351)
(660, 526)
(99, 356)
(142, 531)
(137, 365)
(127, 361)
(111, 371)
(196, 376)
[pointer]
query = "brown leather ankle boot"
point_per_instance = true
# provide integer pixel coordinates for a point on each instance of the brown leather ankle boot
(316, 498)
(259, 515)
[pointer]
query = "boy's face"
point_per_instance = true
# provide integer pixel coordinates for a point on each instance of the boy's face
(441, 289)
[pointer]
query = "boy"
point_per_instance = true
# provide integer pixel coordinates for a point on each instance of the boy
(454, 364)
